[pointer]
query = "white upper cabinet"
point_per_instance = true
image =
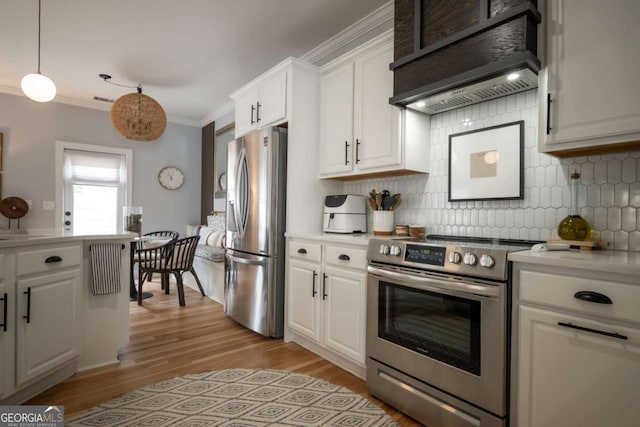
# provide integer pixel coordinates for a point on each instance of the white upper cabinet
(589, 88)
(336, 118)
(360, 132)
(262, 102)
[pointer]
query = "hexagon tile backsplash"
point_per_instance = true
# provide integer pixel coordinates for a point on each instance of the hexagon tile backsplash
(609, 196)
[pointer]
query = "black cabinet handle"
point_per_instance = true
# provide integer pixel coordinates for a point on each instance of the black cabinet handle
(346, 150)
(357, 151)
(252, 110)
(344, 257)
(593, 331)
(28, 294)
(313, 285)
(6, 308)
(302, 251)
(258, 112)
(548, 113)
(324, 286)
(594, 297)
(51, 259)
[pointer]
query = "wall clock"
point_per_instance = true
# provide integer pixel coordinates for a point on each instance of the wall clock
(171, 177)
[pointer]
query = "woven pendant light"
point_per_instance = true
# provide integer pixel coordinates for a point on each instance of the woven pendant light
(138, 117)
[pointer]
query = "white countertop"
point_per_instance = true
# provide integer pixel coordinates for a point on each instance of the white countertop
(622, 262)
(16, 240)
(352, 239)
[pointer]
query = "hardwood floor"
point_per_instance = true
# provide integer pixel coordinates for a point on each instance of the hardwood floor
(168, 341)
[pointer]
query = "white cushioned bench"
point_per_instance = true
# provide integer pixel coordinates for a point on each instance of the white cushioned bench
(209, 260)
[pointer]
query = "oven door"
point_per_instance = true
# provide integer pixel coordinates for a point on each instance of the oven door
(446, 331)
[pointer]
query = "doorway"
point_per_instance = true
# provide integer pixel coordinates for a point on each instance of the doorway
(93, 184)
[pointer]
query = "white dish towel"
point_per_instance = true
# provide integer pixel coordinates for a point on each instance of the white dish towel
(105, 268)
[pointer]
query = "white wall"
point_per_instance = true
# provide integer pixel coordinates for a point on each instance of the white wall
(30, 130)
(609, 195)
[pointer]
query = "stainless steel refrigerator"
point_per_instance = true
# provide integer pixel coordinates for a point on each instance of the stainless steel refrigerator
(256, 195)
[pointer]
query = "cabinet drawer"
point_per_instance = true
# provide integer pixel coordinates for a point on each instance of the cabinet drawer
(48, 258)
(562, 292)
(346, 257)
(304, 250)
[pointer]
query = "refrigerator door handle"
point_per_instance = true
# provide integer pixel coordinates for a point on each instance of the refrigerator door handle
(241, 206)
(244, 260)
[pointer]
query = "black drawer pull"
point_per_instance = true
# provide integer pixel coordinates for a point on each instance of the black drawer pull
(591, 296)
(51, 259)
(549, 101)
(594, 331)
(313, 285)
(302, 251)
(6, 309)
(324, 286)
(346, 149)
(28, 294)
(344, 257)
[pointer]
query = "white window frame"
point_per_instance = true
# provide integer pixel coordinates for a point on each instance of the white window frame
(59, 168)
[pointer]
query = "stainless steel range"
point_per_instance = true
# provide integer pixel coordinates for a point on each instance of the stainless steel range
(438, 328)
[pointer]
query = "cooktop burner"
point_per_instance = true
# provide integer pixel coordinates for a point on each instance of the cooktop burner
(470, 256)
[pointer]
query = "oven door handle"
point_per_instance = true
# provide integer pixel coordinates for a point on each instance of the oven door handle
(467, 288)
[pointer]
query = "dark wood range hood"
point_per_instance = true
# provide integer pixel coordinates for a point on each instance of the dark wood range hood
(449, 54)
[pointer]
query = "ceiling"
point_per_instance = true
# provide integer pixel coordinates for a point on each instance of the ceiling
(189, 55)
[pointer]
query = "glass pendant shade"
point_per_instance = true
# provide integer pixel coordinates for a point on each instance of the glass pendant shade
(38, 87)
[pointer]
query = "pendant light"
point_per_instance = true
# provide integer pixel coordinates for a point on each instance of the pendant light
(37, 86)
(136, 116)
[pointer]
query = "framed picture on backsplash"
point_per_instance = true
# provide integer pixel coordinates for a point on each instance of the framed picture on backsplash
(487, 164)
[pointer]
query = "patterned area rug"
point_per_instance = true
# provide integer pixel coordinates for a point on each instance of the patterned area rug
(238, 398)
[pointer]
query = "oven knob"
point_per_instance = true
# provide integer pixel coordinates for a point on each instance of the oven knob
(395, 250)
(384, 249)
(454, 258)
(470, 259)
(487, 261)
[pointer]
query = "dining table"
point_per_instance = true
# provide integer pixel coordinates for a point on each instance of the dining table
(140, 240)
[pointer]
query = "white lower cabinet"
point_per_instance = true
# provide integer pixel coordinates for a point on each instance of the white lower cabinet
(577, 349)
(46, 323)
(326, 301)
(7, 325)
(40, 289)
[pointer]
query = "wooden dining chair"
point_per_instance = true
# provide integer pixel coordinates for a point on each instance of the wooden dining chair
(160, 236)
(175, 258)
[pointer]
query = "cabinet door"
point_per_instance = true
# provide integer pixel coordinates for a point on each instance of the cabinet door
(271, 106)
(376, 122)
(573, 378)
(336, 120)
(592, 66)
(46, 323)
(7, 327)
(245, 105)
(303, 298)
(344, 313)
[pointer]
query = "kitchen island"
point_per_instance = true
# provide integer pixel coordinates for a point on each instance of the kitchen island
(52, 324)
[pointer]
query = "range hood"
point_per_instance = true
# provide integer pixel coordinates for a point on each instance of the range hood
(485, 90)
(450, 55)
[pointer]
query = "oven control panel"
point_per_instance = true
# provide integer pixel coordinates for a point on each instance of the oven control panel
(468, 260)
(421, 254)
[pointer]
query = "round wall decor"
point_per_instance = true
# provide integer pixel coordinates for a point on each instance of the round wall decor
(171, 177)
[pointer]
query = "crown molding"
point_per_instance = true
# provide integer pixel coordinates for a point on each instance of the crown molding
(224, 109)
(375, 19)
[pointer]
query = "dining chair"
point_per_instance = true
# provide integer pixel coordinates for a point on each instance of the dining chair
(160, 236)
(175, 257)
